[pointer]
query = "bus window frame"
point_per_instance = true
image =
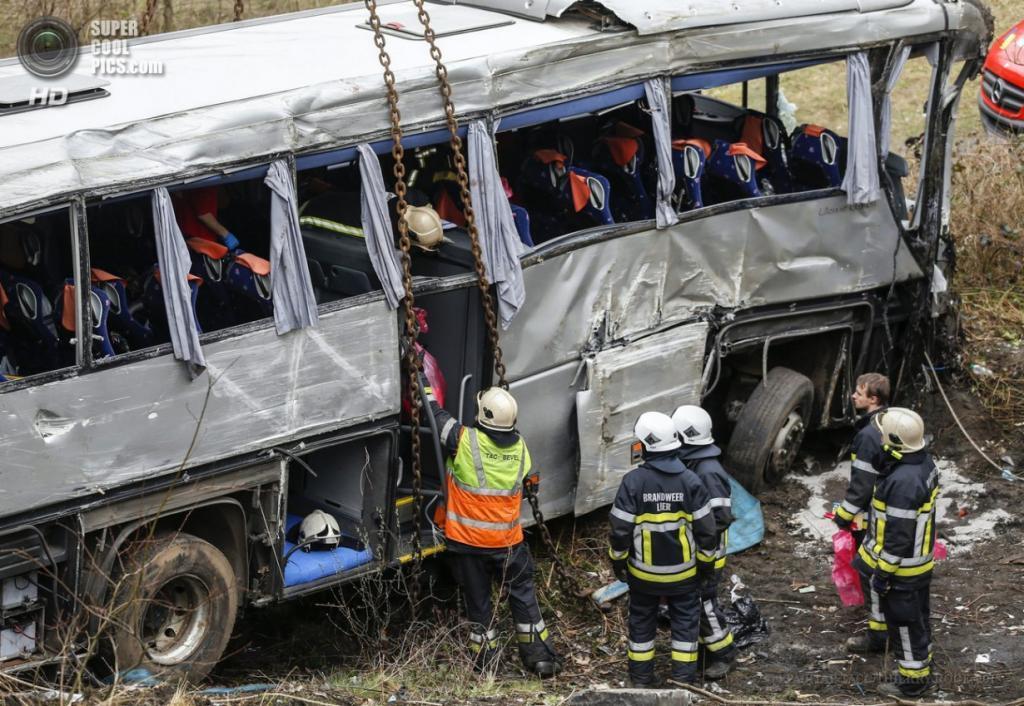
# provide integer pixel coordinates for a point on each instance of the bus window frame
(82, 315)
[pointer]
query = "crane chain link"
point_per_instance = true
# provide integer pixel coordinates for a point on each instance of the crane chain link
(239, 10)
(467, 206)
(566, 579)
(412, 362)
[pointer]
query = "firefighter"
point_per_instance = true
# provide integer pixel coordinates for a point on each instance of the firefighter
(870, 396)
(896, 555)
(700, 454)
(661, 525)
(487, 467)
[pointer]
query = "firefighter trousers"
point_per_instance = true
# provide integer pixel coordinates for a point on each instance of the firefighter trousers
(877, 630)
(513, 569)
(908, 616)
(715, 633)
(684, 614)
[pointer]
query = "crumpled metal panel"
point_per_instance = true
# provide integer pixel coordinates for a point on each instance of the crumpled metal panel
(656, 373)
(83, 435)
(634, 284)
(272, 97)
(654, 16)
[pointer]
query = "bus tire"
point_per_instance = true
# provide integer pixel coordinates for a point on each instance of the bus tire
(173, 607)
(770, 428)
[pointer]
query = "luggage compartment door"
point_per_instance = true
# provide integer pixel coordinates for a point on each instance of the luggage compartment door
(657, 373)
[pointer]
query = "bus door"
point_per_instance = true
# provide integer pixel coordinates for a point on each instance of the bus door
(659, 372)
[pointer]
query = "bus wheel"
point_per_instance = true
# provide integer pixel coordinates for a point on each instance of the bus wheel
(174, 607)
(770, 429)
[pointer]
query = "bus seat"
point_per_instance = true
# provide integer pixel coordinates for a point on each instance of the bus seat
(689, 159)
(210, 262)
(816, 157)
(765, 135)
(249, 276)
(104, 342)
(341, 258)
(619, 156)
(521, 217)
(34, 334)
(153, 302)
(122, 319)
(732, 172)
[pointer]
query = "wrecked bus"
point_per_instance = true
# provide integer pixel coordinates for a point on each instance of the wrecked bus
(682, 238)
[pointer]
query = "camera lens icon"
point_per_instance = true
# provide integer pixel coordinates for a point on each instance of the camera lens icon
(47, 47)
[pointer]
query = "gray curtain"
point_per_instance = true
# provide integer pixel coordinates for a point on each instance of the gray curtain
(886, 108)
(294, 301)
(499, 239)
(861, 180)
(173, 258)
(661, 120)
(376, 220)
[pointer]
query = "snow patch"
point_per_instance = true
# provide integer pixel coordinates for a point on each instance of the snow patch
(956, 492)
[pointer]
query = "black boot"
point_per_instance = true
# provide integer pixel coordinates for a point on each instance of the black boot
(540, 658)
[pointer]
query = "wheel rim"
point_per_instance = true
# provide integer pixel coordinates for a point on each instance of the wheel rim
(176, 620)
(785, 447)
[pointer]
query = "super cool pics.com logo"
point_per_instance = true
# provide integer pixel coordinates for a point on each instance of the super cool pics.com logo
(48, 47)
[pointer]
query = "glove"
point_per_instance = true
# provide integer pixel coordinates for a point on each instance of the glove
(880, 583)
(231, 242)
(841, 523)
(619, 569)
(707, 590)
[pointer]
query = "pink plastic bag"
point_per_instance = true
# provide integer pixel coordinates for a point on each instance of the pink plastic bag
(844, 576)
(940, 550)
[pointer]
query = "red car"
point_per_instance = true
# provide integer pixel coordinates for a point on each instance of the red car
(1002, 83)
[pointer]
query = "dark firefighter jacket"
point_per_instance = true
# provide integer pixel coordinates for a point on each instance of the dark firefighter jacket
(866, 458)
(660, 521)
(900, 536)
(703, 460)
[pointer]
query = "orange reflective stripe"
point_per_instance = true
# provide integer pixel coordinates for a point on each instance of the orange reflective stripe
(549, 156)
(580, 190)
(4, 323)
(753, 133)
(207, 247)
(67, 317)
(740, 148)
(703, 145)
(622, 149)
(99, 275)
(254, 262)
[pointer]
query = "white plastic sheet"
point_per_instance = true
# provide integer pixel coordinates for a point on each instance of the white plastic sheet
(376, 221)
(294, 301)
(661, 120)
(861, 180)
(172, 255)
(499, 239)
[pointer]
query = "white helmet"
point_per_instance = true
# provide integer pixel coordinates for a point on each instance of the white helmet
(656, 432)
(693, 424)
(902, 429)
(424, 225)
(496, 409)
(319, 529)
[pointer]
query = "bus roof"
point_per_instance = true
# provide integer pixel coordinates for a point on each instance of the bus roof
(231, 94)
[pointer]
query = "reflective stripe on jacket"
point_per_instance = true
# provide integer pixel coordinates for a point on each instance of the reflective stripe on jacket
(485, 491)
(900, 537)
(662, 522)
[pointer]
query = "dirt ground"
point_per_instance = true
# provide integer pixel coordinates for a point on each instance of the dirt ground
(347, 648)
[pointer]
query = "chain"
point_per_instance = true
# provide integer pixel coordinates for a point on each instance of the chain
(147, 17)
(412, 363)
(239, 10)
(467, 207)
(566, 580)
